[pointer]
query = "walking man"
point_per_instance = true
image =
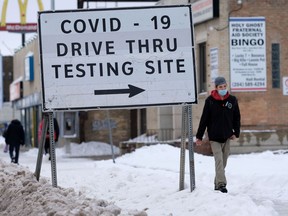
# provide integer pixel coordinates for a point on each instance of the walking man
(221, 117)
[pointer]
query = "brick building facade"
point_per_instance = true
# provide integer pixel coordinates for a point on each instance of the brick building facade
(264, 113)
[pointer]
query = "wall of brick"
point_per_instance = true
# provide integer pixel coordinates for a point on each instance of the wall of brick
(268, 109)
(259, 109)
(29, 87)
(96, 126)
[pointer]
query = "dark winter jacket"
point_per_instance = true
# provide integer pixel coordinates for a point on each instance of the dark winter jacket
(220, 117)
(14, 135)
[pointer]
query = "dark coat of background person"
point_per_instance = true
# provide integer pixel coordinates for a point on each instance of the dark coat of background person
(14, 137)
(47, 138)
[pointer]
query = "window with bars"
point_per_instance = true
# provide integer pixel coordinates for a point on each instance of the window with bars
(202, 68)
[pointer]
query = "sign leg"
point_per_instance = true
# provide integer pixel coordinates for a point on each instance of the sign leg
(40, 148)
(52, 150)
(183, 147)
(191, 149)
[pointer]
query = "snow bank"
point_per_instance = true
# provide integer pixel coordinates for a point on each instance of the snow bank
(91, 149)
(22, 194)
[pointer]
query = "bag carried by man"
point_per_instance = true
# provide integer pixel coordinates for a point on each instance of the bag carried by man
(6, 146)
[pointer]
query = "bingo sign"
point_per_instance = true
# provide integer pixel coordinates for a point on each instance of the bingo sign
(118, 57)
(247, 54)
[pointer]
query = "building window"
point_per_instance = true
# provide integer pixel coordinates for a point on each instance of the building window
(202, 68)
(138, 122)
(275, 59)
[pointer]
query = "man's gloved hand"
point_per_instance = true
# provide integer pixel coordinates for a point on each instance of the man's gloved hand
(198, 142)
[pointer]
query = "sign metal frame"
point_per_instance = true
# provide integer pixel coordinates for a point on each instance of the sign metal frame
(157, 47)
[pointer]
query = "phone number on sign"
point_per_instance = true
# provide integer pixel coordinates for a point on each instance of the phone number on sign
(248, 84)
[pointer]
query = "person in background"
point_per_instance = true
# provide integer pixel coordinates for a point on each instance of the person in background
(14, 137)
(47, 138)
(221, 117)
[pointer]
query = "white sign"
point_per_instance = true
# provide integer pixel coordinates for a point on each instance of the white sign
(214, 63)
(204, 10)
(285, 85)
(247, 54)
(120, 57)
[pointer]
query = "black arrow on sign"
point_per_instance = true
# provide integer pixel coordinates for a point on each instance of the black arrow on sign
(132, 91)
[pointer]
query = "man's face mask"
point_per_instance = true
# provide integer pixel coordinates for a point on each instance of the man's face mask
(222, 89)
(222, 92)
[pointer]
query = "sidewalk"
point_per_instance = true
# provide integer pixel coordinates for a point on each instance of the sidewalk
(281, 207)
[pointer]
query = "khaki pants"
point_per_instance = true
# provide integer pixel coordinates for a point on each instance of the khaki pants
(221, 152)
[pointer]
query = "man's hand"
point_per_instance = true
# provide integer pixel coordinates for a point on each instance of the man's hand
(198, 142)
(233, 137)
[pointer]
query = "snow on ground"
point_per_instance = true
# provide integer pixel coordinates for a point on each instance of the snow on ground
(143, 182)
(21, 194)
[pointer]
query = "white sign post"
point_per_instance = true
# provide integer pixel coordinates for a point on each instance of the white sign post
(214, 64)
(118, 57)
